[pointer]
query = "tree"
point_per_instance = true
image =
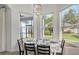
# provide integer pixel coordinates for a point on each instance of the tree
(48, 22)
(70, 17)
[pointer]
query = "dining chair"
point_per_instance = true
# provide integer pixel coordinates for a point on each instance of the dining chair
(62, 48)
(21, 46)
(29, 47)
(43, 50)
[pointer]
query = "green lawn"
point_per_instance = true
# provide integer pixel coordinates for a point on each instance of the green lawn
(71, 37)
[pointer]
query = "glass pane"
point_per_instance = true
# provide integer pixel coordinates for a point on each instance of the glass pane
(24, 29)
(29, 31)
(48, 26)
(24, 35)
(23, 24)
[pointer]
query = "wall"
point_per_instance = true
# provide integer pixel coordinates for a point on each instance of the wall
(8, 27)
(2, 29)
(15, 23)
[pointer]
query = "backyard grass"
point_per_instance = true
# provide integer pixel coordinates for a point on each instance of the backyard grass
(71, 37)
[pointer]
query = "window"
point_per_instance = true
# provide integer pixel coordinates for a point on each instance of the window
(23, 30)
(70, 23)
(26, 27)
(48, 26)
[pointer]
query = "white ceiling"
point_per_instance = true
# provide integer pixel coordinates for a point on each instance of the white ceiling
(47, 8)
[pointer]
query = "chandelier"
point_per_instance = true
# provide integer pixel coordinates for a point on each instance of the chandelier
(37, 9)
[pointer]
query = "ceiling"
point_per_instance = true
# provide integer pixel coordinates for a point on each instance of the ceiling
(46, 8)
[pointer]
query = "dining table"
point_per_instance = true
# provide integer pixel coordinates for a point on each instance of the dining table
(54, 45)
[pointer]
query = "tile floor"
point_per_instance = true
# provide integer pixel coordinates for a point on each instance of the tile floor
(9, 53)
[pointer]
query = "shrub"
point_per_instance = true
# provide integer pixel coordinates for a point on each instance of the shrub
(47, 32)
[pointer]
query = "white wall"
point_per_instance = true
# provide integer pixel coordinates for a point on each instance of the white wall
(8, 27)
(15, 23)
(2, 29)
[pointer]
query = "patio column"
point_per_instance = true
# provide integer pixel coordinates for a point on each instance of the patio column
(37, 8)
(60, 27)
(56, 28)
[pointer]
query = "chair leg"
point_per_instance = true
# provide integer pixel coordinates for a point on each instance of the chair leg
(34, 52)
(19, 52)
(22, 52)
(26, 53)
